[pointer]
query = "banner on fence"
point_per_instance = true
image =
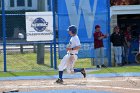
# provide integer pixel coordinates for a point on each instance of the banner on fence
(84, 14)
(39, 26)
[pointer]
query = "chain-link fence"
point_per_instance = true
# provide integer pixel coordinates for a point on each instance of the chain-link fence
(22, 55)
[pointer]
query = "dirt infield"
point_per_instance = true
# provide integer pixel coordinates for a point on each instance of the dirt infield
(114, 85)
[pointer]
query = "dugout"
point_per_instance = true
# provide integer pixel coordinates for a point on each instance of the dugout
(134, 21)
(124, 15)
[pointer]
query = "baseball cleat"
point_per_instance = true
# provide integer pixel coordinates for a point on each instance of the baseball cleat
(60, 81)
(83, 72)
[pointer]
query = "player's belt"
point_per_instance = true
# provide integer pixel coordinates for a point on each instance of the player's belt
(73, 54)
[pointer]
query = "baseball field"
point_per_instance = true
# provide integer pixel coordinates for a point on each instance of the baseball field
(107, 80)
(25, 76)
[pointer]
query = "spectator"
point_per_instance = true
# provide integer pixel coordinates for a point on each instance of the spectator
(127, 44)
(99, 47)
(117, 38)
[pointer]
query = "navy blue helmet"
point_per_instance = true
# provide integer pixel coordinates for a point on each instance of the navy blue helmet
(73, 29)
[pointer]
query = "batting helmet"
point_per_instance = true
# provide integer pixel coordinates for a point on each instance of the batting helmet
(73, 29)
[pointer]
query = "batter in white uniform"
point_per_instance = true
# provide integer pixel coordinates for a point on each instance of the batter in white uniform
(70, 58)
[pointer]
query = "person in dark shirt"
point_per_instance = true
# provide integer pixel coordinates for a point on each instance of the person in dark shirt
(99, 47)
(117, 38)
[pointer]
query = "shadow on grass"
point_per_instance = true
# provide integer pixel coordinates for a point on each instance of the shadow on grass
(12, 74)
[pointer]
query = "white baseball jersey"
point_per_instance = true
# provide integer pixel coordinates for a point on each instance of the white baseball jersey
(74, 42)
(69, 60)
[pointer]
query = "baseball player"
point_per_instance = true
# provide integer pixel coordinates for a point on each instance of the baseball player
(70, 58)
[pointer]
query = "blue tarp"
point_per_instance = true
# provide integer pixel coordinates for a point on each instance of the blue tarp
(84, 14)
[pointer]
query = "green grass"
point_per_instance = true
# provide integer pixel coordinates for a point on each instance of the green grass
(11, 74)
(117, 70)
(25, 65)
(48, 73)
(27, 62)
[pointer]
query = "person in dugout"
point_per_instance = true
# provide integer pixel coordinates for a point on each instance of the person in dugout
(117, 38)
(127, 44)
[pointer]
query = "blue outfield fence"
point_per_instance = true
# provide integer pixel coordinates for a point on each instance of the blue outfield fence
(84, 14)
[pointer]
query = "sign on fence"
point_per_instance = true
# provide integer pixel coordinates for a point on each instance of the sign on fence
(39, 26)
(84, 14)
